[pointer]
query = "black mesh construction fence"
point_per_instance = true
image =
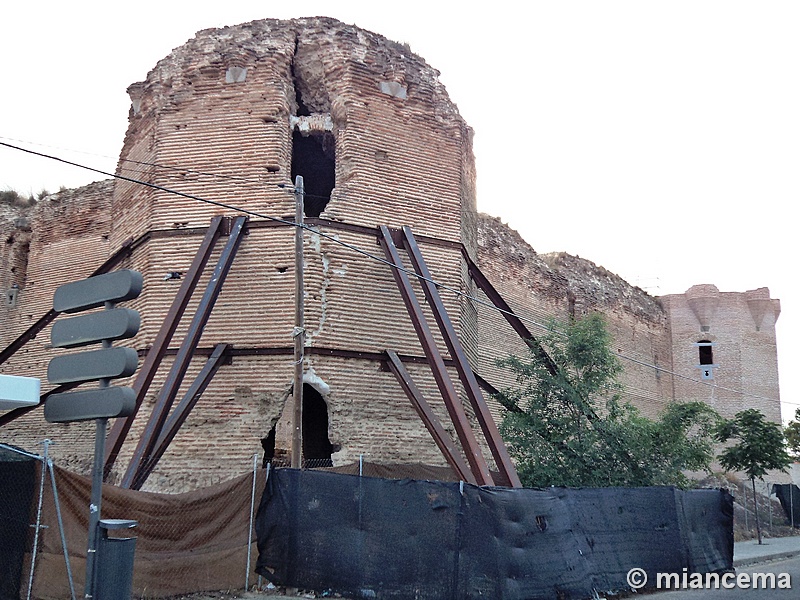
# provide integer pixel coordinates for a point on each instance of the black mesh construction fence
(17, 484)
(789, 496)
(364, 537)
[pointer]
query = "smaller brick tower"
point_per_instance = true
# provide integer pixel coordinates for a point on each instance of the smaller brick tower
(725, 340)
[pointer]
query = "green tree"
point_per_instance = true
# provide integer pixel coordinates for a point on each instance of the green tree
(566, 424)
(761, 447)
(792, 434)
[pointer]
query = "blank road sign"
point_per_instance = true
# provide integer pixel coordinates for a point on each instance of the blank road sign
(96, 291)
(115, 324)
(103, 364)
(108, 363)
(84, 405)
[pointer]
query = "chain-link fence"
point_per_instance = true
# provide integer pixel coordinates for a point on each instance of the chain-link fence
(198, 541)
(776, 518)
(788, 497)
(192, 542)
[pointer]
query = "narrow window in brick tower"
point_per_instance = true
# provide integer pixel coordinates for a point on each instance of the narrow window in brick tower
(706, 353)
(317, 447)
(19, 260)
(313, 157)
(706, 359)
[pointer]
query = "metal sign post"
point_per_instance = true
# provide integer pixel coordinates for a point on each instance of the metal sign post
(102, 365)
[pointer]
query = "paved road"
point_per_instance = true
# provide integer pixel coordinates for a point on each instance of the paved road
(790, 566)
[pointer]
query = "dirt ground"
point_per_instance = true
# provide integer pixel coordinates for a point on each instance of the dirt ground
(285, 593)
(265, 592)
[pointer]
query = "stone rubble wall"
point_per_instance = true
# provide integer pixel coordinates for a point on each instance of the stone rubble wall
(540, 288)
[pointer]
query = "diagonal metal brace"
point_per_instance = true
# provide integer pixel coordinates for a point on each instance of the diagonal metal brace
(453, 403)
(152, 430)
(510, 316)
(121, 428)
(432, 423)
(489, 427)
(517, 325)
(181, 412)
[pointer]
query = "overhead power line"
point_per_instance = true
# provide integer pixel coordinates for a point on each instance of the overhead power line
(353, 248)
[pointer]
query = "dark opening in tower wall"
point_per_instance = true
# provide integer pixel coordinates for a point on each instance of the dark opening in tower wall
(313, 157)
(302, 109)
(317, 448)
(268, 444)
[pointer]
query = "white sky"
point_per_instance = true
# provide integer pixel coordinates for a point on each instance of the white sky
(657, 139)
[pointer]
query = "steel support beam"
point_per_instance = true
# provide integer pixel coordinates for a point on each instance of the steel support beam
(175, 377)
(510, 316)
(181, 412)
(16, 413)
(516, 323)
(473, 390)
(27, 335)
(432, 423)
(453, 403)
(119, 431)
(495, 298)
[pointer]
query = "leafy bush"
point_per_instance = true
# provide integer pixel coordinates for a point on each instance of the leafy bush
(566, 424)
(13, 198)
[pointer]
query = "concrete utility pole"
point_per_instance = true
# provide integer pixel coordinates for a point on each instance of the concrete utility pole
(299, 324)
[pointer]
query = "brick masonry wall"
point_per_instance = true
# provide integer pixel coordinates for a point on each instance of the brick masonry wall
(214, 120)
(15, 234)
(67, 233)
(255, 308)
(222, 106)
(399, 160)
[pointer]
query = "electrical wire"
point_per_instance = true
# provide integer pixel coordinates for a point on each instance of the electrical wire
(163, 167)
(267, 217)
(358, 250)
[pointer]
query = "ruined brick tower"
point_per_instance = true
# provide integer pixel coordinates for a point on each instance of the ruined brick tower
(240, 112)
(226, 122)
(232, 116)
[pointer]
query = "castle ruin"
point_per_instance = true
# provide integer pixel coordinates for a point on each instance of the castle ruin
(228, 121)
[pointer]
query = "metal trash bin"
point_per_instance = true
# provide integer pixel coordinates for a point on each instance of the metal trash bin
(114, 571)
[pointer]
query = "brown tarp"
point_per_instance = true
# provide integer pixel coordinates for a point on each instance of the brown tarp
(185, 543)
(191, 542)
